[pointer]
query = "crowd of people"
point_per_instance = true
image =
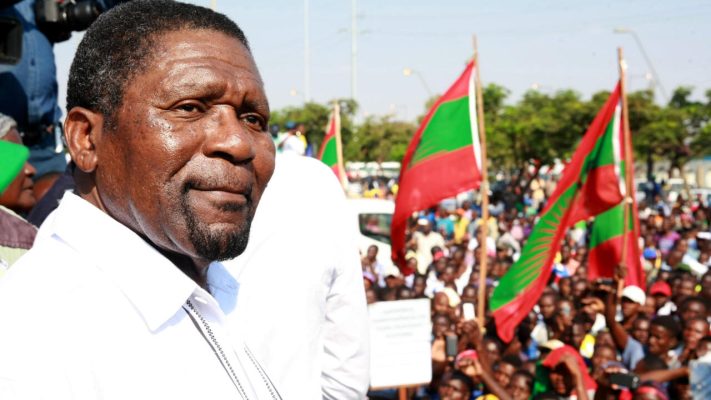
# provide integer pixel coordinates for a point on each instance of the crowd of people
(584, 339)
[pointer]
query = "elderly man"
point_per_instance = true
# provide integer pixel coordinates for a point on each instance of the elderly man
(120, 298)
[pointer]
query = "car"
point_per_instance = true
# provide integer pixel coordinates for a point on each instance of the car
(374, 219)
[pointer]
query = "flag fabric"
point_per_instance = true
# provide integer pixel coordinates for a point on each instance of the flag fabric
(607, 239)
(590, 184)
(330, 152)
(442, 160)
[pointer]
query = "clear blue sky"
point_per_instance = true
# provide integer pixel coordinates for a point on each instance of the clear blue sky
(556, 44)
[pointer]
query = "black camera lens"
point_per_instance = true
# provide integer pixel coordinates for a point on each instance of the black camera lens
(80, 15)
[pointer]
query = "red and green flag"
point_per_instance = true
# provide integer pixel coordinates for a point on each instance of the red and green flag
(442, 160)
(608, 237)
(331, 152)
(590, 185)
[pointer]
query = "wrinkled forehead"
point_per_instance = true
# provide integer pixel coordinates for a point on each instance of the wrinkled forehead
(187, 43)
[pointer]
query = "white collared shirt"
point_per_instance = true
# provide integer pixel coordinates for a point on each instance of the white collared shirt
(92, 311)
(301, 297)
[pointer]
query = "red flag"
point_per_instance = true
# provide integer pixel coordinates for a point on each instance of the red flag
(442, 160)
(331, 152)
(590, 185)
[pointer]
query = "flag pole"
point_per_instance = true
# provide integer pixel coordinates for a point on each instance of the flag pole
(339, 147)
(629, 168)
(484, 191)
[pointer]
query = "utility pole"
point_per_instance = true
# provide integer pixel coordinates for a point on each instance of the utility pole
(657, 81)
(307, 66)
(354, 50)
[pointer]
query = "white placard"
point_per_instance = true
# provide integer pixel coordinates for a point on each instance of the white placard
(400, 347)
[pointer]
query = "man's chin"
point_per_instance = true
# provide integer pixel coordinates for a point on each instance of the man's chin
(219, 244)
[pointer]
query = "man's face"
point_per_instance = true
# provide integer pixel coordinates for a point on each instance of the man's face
(419, 286)
(686, 288)
(503, 373)
(640, 330)
(519, 388)
(191, 153)
(602, 355)
(694, 331)
(578, 334)
(372, 252)
(565, 312)
(453, 389)
(706, 286)
(659, 300)
(492, 350)
(660, 340)
(629, 308)
(440, 326)
(547, 306)
(693, 309)
(448, 274)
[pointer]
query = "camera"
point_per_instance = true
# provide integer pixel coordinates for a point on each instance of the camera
(58, 18)
(10, 40)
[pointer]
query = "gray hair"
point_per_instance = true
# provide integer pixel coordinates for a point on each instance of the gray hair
(6, 123)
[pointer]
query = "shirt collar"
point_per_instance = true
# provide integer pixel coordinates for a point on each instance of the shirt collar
(154, 285)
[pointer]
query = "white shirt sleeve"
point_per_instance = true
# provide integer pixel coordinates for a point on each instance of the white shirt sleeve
(346, 335)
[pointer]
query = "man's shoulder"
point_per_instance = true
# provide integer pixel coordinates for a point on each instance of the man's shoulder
(291, 170)
(45, 271)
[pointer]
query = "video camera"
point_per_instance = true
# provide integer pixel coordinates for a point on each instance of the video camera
(58, 18)
(55, 18)
(10, 40)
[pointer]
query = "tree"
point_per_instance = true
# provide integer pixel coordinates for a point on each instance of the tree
(379, 139)
(677, 132)
(539, 128)
(314, 116)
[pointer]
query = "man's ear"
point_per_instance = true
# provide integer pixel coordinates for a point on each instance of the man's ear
(82, 129)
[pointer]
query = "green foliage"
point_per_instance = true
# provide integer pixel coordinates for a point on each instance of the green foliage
(314, 116)
(540, 127)
(677, 132)
(379, 139)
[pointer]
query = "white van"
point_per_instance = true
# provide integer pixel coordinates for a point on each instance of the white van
(374, 218)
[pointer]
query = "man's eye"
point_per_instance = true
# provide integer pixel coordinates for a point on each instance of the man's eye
(189, 107)
(255, 121)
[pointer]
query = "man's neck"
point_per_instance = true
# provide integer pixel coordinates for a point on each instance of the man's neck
(197, 271)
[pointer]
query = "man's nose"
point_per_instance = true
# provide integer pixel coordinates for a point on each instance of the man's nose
(228, 138)
(29, 170)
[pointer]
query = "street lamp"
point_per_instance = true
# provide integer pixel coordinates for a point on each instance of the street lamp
(409, 71)
(657, 81)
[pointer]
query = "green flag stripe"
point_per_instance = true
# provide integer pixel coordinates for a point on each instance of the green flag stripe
(608, 225)
(329, 156)
(448, 130)
(538, 246)
(528, 268)
(603, 153)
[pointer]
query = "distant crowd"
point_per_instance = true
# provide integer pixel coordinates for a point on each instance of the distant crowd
(584, 339)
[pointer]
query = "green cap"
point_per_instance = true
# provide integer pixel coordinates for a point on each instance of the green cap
(12, 159)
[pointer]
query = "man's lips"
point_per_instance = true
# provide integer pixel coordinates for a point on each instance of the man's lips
(28, 184)
(230, 194)
(222, 195)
